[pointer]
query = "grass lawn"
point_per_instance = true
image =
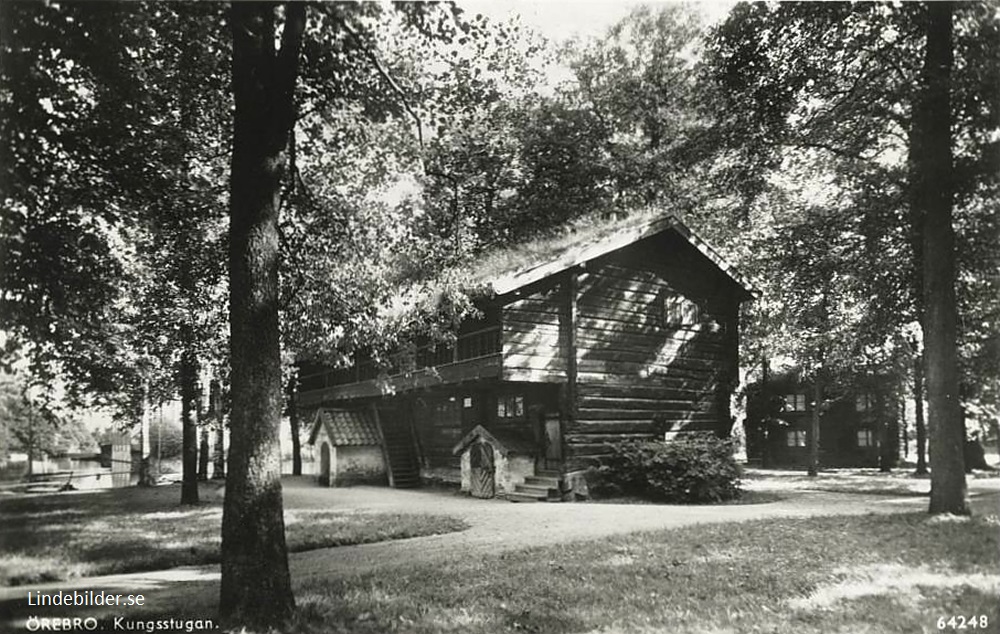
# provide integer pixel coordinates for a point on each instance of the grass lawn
(875, 573)
(747, 496)
(900, 482)
(54, 537)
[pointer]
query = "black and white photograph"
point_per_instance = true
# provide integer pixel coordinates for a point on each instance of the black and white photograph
(500, 316)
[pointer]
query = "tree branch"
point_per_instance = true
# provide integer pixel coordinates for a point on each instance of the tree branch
(370, 54)
(288, 58)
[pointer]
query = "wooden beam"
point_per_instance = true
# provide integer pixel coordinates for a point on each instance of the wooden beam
(381, 442)
(570, 318)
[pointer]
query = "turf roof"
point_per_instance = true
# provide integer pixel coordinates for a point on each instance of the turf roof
(506, 270)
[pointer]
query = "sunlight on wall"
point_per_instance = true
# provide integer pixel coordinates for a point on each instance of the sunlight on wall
(668, 352)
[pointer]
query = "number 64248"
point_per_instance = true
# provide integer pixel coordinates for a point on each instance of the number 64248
(960, 622)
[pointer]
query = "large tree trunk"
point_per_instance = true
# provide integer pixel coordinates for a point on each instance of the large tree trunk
(918, 404)
(256, 587)
(814, 428)
(189, 426)
(948, 487)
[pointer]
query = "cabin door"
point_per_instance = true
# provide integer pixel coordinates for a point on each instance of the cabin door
(324, 464)
(483, 470)
(550, 434)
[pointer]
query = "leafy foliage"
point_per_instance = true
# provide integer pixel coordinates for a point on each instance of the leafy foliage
(694, 469)
(109, 264)
(821, 99)
(30, 422)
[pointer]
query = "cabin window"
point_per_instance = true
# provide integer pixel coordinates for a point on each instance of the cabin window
(795, 402)
(864, 403)
(510, 407)
(866, 438)
(445, 410)
(796, 438)
(467, 402)
(677, 311)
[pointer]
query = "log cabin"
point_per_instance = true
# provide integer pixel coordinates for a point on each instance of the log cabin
(861, 423)
(632, 334)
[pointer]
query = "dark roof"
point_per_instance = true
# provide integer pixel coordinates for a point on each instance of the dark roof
(549, 257)
(504, 440)
(345, 427)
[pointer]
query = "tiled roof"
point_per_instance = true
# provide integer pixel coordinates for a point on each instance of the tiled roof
(345, 427)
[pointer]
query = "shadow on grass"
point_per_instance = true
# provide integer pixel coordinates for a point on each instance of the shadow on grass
(760, 575)
(54, 537)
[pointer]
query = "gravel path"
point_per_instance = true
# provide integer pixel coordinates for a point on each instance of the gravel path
(495, 526)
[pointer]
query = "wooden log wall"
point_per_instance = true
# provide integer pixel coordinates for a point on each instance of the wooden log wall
(656, 349)
(533, 341)
(441, 421)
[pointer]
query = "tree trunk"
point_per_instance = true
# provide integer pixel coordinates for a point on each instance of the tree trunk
(995, 424)
(203, 452)
(293, 422)
(204, 417)
(765, 377)
(30, 449)
(145, 473)
(189, 426)
(215, 404)
(906, 425)
(887, 435)
(948, 487)
(918, 404)
(256, 590)
(814, 428)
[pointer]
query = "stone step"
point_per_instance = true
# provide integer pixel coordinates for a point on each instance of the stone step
(540, 493)
(545, 481)
(537, 490)
(519, 497)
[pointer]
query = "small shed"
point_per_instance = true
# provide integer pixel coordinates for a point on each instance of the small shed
(349, 447)
(494, 463)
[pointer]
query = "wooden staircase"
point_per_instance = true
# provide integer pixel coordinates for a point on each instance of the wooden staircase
(400, 453)
(544, 486)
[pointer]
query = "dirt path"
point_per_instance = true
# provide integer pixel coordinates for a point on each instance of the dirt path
(495, 526)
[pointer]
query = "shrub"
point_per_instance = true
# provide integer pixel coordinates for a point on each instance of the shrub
(696, 468)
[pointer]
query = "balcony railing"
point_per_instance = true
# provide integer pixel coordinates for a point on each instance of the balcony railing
(472, 345)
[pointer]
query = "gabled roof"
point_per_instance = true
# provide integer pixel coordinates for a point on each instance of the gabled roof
(505, 441)
(587, 248)
(345, 427)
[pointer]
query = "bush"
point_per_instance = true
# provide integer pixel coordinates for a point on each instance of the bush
(695, 469)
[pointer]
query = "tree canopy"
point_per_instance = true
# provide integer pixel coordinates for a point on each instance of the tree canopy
(192, 186)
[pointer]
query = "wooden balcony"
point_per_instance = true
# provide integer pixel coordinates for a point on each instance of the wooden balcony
(475, 355)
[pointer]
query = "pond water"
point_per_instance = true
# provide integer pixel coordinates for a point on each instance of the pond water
(87, 474)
